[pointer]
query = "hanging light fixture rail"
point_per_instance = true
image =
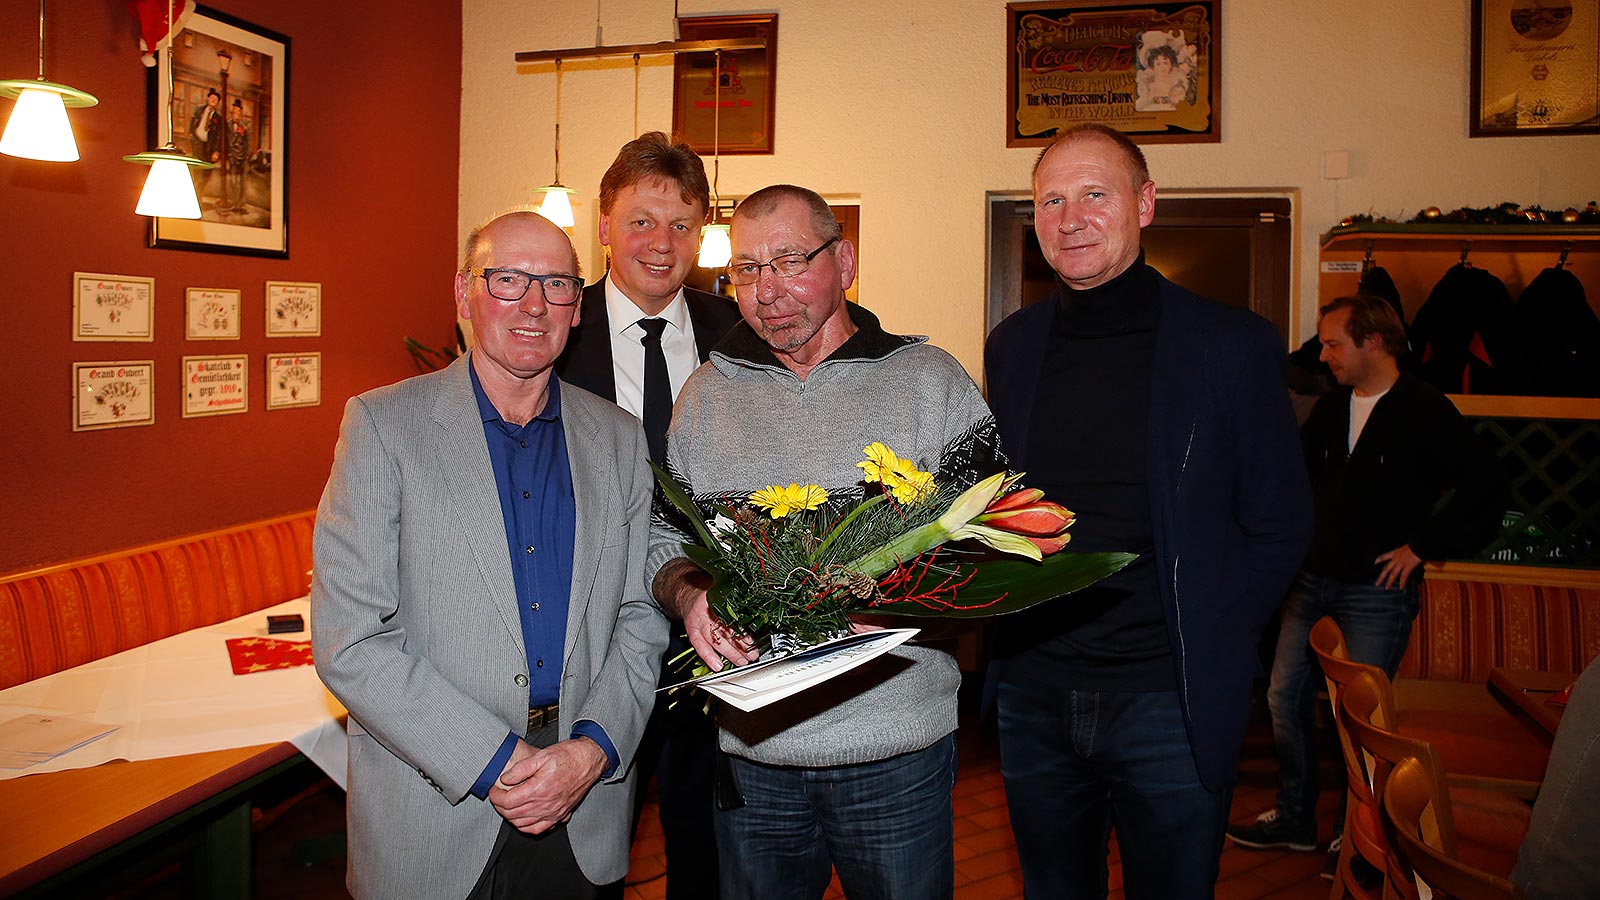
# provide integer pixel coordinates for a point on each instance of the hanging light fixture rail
(531, 56)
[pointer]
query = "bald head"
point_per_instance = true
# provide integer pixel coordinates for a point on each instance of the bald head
(524, 222)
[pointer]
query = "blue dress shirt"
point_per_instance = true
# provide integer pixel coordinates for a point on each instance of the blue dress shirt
(534, 480)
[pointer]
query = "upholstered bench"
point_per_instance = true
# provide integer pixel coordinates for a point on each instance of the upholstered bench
(1472, 620)
(64, 615)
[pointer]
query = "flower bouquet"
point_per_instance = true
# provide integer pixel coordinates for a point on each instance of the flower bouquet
(789, 569)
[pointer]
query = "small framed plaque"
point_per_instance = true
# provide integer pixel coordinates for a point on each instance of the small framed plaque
(211, 314)
(294, 309)
(215, 385)
(293, 379)
(112, 394)
(112, 307)
(1535, 68)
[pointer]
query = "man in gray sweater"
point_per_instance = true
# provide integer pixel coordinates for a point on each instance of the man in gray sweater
(854, 774)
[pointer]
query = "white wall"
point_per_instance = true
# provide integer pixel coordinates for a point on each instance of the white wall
(903, 106)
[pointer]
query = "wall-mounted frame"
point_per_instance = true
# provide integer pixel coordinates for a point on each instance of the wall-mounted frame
(1535, 68)
(117, 394)
(293, 379)
(1150, 70)
(215, 385)
(749, 86)
(211, 314)
(112, 307)
(244, 69)
(294, 309)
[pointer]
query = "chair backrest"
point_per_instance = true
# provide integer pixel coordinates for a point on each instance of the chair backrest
(1363, 836)
(1366, 710)
(1416, 815)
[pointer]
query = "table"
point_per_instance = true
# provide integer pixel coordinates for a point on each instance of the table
(83, 806)
(1526, 690)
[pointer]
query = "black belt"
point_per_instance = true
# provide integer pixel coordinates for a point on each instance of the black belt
(540, 716)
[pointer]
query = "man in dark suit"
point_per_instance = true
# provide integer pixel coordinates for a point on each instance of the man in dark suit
(1161, 418)
(643, 332)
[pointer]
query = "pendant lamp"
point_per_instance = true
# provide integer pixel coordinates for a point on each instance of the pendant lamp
(715, 247)
(557, 207)
(168, 190)
(38, 128)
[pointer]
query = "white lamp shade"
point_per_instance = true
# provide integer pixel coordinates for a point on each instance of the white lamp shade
(169, 192)
(39, 129)
(715, 250)
(556, 207)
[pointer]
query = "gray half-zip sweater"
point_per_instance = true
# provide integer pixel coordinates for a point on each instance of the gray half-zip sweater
(744, 421)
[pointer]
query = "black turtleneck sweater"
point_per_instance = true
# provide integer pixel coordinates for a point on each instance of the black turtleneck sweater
(1088, 450)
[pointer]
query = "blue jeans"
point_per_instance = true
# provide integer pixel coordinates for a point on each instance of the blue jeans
(1376, 623)
(887, 827)
(1077, 763)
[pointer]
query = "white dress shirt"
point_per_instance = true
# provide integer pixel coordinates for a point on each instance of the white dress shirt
(627, 349)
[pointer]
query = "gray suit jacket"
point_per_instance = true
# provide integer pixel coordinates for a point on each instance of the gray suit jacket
(415, 628)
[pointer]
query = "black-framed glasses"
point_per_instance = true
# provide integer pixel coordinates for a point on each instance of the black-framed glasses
(512, 284)
(787, 265)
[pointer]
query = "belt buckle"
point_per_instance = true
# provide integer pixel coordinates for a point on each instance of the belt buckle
(540, 716)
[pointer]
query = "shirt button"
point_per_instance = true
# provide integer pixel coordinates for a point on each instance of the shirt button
(526, 495)
(530, 548)
(521, 680)
(535, 607)
(523, 443)
(539, 663)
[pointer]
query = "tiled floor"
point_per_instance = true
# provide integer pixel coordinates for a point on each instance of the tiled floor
(986, 861)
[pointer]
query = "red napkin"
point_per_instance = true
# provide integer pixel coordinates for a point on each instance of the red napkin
(1560, 698)
(265, 654)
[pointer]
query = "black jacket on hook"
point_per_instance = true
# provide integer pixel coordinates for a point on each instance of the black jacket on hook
(1561, 336)
(1465, 336)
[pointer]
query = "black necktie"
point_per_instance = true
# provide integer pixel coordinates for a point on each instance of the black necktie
(657, 390)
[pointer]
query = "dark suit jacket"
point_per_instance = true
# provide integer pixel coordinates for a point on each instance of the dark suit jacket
(587, 359)
(1229, 496)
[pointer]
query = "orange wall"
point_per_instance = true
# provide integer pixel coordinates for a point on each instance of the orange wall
(374, 111)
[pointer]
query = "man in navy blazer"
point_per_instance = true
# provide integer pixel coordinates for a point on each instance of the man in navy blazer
(653, 200)
(1162, 419)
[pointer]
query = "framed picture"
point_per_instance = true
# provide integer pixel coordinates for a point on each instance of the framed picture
(112, 307)
(1535, 67)
(230, 104)
(112, 394)
(1150, 70)
(748, 86)
(294, 309)
(294, 379)
(211, 314)
(215, 385)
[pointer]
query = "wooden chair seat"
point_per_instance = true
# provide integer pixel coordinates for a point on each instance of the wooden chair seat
(1418, 817)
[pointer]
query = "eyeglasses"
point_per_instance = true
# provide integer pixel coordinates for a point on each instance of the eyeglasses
(787, 265)
(512, 284)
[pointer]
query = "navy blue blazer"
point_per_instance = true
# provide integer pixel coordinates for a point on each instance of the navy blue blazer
(586, 362)
(1230, 500)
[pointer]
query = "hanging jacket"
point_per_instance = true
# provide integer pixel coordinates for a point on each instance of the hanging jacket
(1466, 336)
(1560, 336)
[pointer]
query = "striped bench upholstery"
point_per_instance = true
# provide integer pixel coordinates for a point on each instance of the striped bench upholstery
(1465, 628)
(65, 615)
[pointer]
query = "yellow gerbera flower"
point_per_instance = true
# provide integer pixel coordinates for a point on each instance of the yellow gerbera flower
(779, 501)
(907, 483)
(880, 459)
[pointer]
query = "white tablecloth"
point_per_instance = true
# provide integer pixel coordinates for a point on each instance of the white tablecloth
(179, 695)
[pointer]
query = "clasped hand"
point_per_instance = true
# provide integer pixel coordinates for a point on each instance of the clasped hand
(539, 788)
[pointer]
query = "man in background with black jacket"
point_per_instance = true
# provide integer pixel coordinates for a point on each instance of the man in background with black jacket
(1383, 448)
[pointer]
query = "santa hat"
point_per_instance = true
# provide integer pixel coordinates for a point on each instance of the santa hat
(152, 18)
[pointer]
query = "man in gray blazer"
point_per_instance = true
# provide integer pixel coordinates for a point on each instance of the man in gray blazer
(479, 603)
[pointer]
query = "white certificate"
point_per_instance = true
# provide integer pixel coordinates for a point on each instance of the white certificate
(112, 307)
(294, 309)
(112, 394)
(293, 379)
(215, 385)
(211, 314)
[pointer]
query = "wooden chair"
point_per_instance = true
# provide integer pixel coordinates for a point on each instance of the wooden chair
(1417, 817)
(1361, 839)
(1494, 822)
